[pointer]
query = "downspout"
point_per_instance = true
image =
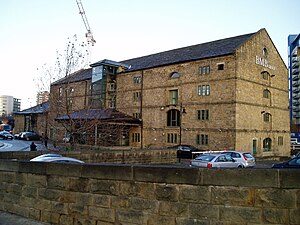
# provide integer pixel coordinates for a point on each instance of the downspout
(141, 109)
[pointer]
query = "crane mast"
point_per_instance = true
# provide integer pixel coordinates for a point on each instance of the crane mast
(89, 35)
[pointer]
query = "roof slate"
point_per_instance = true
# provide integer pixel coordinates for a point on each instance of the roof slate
(190, 53)
(98, 114)
(195, 52)
(38, 109)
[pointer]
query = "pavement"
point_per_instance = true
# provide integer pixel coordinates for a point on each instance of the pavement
(12, 219)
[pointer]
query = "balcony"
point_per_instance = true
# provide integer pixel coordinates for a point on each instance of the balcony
(295, 71)
(296, 96)
(296, 103)
(296, 84)
(295, 59)
(296, 114)
(295, 65)
(296, 109)
(295, 78)
(296, 90)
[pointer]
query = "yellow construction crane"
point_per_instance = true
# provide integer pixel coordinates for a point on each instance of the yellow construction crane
(89, 35)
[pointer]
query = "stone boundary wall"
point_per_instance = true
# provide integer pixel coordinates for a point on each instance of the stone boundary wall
(134, 156)
(95, 194)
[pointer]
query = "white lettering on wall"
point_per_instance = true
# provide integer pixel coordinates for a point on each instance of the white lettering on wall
(263, 62)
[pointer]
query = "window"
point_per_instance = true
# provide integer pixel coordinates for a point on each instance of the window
(203, 114)
(203, 70)
(175, 75)
(267, 144)
(173, 118)
(265, 52)
(137, 80)
(112, 87)
(266, 93)
(72, 90)
(60, 91)
(203, 90)
(136, 137)
(202, 139)
(173, 95)
(172, 138)
(267, 117)
(136, 115)
(280, 140)
(221, 66)
(265, 75)
(136, 96)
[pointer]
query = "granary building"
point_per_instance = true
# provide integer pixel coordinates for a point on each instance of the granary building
(225, 94)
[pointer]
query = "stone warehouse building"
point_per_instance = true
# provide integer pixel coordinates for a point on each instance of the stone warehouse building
(226, 94)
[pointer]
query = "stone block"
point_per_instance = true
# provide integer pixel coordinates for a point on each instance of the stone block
(173, 209)
(77, 209)
(43, 204)
(203, 211)
(58, 207)
(107, 172)
(9, 165)
(156, 219)
(64, 169)
(276, 198)
(240, 177)
(138, 189)
(131, 217)
(120, 202)
(167, 192)
(289, 178)
(295, 216)
(65, 220)
(39, 181)
(239, 214)
(8, 177)
(32, 167)
(194, 194)
(14, 188)
(84, 198)
(34, 214)
(50, 217)
(78, 184)
(104, 187)
(235, 196)
(161, 174)
(188, 221)
(27, 202)
(21, 178)
(30, 192)
(57, 182)
(275, 216)
(145, 205)
(102, 214)
(49, 194)
(101, 200)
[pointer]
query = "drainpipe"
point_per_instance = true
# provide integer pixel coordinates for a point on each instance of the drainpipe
(141, 109)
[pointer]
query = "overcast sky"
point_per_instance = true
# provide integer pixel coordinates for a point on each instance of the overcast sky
(33, 30)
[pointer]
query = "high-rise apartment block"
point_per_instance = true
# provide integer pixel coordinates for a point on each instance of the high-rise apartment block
(42, 97)
(8, 105)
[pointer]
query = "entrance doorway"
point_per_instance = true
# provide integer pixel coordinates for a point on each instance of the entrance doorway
(254, 147)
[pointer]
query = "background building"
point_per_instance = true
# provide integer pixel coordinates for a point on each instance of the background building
(9, 105)
(294, 61)
(42, 97)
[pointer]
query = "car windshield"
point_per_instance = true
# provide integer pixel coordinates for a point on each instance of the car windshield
(295, 161)
(205, 158)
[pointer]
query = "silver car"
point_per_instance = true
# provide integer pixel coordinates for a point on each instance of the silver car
(56, 158)
(245, 158)
(215, 160)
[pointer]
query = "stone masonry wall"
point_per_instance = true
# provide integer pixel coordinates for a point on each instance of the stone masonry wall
(125, 194)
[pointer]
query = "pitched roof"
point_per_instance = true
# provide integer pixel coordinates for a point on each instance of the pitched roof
(80, 75)
(38, 109)
(190, 53)
(195, 52)
(99, 114)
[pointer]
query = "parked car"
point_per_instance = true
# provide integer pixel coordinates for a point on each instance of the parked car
(55, 158)
(6, 135)
(245, 158)
(292, 163)
(29, 136)
(215, 160)
(18, 135)
(187, 151)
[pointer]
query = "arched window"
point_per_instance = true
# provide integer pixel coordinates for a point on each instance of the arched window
(173, 118)
(267, 144)
(265, 52)
(265, 75)
(267, 117)
(175, 75)
(266, 93)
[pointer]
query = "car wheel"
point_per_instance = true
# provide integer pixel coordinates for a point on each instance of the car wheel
(240, 166)
(27, 138)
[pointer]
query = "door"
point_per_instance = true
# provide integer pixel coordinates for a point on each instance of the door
(254, 147)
